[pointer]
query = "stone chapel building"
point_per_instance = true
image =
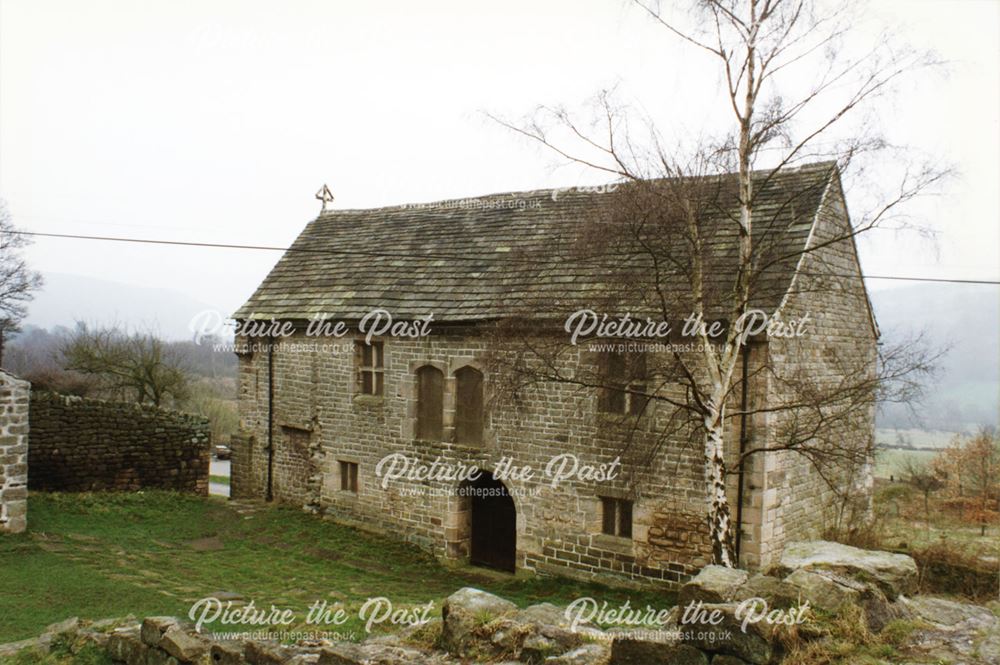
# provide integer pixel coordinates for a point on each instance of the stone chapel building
(320, 414)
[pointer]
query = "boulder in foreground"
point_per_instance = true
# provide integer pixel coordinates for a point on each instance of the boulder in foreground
(894, 574)
(714, 584)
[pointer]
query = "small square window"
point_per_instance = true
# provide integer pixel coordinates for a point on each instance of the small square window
(616, 517)
(371, 367)
(349, 476)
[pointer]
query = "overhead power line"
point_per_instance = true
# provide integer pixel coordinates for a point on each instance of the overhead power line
(397, 255)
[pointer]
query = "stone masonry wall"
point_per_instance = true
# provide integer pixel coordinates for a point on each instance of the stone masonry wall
(80, 445)
(838, 351)
(13, 453)
(320, 420)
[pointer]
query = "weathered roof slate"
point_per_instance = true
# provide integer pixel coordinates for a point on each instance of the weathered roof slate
(477, 259)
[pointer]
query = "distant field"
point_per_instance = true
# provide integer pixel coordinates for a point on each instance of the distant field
(890, 463)
(917, 438)
(890, 459)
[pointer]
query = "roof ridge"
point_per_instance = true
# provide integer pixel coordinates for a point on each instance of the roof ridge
(548, 192)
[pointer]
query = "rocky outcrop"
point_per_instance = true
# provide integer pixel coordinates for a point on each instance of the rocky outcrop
(825, 590)
(837, 577)
(954, 631)
(895, 574)
(779, 593)
(477, 624)
(714, 584)
(720, 629)
(43, 642)
(464, 612)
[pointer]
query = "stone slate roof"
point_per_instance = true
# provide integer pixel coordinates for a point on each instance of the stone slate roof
(487, 257)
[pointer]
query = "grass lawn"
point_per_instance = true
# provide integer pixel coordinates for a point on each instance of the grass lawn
(108, 555)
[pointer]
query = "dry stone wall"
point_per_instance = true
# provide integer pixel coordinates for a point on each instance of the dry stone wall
(80, 445)
(13, 453)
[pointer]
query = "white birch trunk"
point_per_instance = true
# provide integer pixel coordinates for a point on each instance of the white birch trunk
(719, 520)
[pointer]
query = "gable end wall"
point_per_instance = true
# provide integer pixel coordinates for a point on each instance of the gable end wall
(841, 342)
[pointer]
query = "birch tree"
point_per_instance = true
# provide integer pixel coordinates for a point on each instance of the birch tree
(764, 51)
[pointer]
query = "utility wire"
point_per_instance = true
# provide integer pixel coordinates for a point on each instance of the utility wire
(449, 257)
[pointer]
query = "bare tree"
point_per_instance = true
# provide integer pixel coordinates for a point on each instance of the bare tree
(17, 281)
(926, 481)
(673, 211)
(138, 366)
(970, 467)
(983, 460)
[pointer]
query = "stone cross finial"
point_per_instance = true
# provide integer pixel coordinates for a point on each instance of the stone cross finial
(324, 195)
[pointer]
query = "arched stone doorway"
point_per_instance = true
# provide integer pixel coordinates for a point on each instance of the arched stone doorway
(493, 524)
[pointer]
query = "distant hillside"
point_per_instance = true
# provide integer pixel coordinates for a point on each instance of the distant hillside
(964, 317)
(66, 299)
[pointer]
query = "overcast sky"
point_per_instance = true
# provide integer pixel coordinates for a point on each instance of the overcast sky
(217, 121)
